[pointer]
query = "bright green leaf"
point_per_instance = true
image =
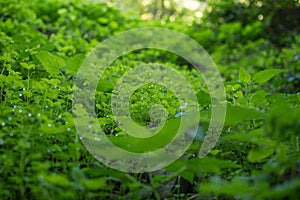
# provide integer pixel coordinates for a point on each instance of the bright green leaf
(74, 63)
(59, 180)
(94, 184)
(257, 155)
(51, 63)
(265, 75)
(237, 114)
(244, 76)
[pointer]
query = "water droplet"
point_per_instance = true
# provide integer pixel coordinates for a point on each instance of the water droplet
(80, 138)
(117, 135)
(20, 95)
(68, 129)
(59, 116)
(39, 114)
(9, 118)
(29, 114)
(3, 124)
(89, 126)
(1, 142)
(97, 139)
(24, 89)
(49, 125)
(11, 134)
(20, 111)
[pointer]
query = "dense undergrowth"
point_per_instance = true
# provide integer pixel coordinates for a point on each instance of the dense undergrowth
(43, 43)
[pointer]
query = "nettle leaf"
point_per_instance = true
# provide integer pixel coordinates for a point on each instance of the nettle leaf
(237, 114)
(259, 154)
(58, 179)
(203, 98)
(104, 121)
(27, 66)
(256, 137)
(105, 86)
(209, 165)
(94, 184)
(258, 98)
(74, 63)
(238, 187)
(51, 63)
(244, 76)
(265, 75)
(189, 176)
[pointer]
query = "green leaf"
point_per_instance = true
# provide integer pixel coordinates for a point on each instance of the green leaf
(257, 155)
(244, 76)
(51, 63)
(103, 121)
(94, 184)
(203, 98)
(189, 176)
(237, 114)
(258, 98)
(238, 187)
(58, 179)
(105, 86)
(209, 165)
(74, 63)
(265, 75)
(27, 66)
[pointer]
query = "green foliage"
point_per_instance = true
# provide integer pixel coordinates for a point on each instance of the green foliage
(42, 45)
(263, 76)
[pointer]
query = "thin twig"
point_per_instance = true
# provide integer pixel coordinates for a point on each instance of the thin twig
(192, 197)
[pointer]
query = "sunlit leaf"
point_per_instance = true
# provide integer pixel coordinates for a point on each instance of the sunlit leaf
(265, 75)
